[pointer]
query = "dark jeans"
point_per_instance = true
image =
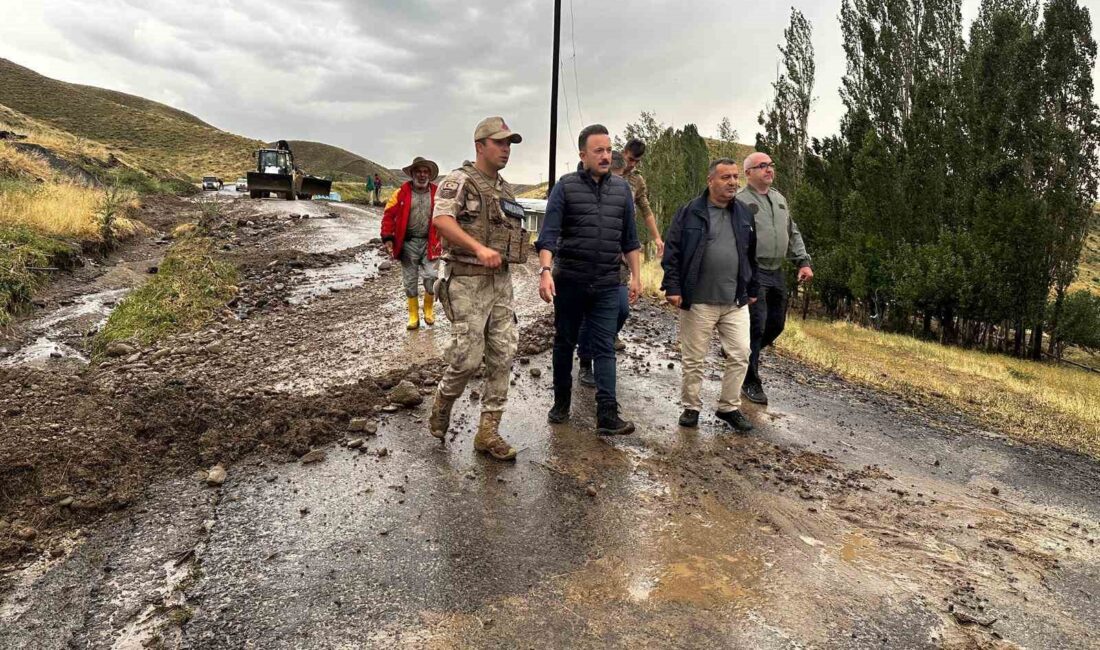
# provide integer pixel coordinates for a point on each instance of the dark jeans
(584, 345)
(767, 317)
(598, 307)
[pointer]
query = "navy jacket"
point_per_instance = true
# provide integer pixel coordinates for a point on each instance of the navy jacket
(686, 241)
(588, 227)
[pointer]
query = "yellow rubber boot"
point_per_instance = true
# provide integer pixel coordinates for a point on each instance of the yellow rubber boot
(429, 315)
(414, 314)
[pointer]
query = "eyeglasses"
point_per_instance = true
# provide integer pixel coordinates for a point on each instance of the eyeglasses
(763, 166)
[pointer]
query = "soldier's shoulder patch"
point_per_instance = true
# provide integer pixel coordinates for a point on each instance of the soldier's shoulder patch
(782, 206)
(753, 208)
(449, 189)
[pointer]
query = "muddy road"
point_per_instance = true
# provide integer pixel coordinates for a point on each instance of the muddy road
(846, 519)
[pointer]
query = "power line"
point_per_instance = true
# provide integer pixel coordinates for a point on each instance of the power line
(576, 82)
(565, 96)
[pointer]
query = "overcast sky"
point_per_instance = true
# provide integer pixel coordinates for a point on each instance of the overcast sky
(391, 79)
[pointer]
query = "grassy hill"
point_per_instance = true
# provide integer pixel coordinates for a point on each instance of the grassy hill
(322, 159)
(98, 128)
(1088, 267)
(144, 134)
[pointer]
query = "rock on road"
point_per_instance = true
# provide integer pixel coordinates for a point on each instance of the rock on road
(846, 519)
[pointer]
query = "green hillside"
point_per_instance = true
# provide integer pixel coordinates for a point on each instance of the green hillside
(326, 160)
(1088, 266)
(90, 126)
(148, 135)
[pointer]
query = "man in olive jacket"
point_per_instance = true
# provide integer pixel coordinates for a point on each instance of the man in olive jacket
(710, 264)
(777, 239)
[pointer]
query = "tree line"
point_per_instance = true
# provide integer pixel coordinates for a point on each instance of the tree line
(955, 199)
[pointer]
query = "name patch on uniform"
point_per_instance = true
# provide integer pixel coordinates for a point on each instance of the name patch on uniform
(448, 190)
(511, 208)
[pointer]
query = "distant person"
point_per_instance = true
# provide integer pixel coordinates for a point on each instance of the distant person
(632, 155)
(777, 238)
(378, 188)
(584, 343)
(588, 229)
(370, 188)
(410, 236)
(482, 228)
(710, 265)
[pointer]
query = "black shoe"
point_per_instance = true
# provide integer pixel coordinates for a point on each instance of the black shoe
(584, 375)
(608, 422)
(754, 393)
(735, 419)
(560, 411)
(689, 418)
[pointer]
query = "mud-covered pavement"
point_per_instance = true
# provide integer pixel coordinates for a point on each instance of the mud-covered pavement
(846, 519)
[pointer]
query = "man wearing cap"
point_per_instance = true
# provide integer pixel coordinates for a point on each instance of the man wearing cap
(410, 237)
(482, 229)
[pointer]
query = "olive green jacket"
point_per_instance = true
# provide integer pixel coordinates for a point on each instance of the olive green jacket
(777, 235)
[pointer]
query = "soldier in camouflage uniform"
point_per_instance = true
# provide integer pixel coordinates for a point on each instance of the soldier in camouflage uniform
(632, 155)
(482, 229)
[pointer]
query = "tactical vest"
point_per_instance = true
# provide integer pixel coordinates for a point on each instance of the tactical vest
(498, 223)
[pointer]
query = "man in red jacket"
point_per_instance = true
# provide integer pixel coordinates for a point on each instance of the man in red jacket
(410, 236)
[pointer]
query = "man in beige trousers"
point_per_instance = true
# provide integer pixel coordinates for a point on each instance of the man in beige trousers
(710, 274)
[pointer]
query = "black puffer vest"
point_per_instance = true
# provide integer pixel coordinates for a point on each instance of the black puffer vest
(592, 226)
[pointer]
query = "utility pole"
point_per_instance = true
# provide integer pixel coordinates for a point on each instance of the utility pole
(554, 97)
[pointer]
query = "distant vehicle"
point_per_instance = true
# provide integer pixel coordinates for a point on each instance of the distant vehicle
(211, 183)
(242, 184)
(331, 196)
(277, 174)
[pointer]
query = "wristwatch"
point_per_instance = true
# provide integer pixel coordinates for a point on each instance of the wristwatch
(544, 270)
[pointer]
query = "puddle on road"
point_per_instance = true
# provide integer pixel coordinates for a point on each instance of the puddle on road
(69, 322)
(323, 234)
(339, 277)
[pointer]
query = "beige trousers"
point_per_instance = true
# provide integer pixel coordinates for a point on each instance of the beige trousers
(696, 325)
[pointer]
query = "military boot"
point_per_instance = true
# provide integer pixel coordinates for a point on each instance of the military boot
(488, 440)
(440, 419)
(584, 373)
(608, 422)
(560, 411)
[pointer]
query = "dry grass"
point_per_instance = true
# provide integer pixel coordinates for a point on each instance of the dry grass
(21, 165)
(61, 142)
(65, 210)
(1088, 266)
(1027, 400)
(357, 192)
(652, 274)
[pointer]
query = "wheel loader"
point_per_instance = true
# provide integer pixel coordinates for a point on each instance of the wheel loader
(276, 174)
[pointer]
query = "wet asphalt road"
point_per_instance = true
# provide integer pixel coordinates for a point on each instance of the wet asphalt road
(847, 519)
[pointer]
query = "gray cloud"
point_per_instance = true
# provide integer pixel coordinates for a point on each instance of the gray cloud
(392, 79)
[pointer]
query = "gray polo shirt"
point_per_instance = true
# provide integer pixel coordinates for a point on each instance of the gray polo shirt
(717, 284)
(420, 213)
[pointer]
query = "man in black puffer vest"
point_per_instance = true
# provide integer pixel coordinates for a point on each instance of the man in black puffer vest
(589, 228)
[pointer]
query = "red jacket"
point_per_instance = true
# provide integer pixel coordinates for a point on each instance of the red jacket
(396, 219)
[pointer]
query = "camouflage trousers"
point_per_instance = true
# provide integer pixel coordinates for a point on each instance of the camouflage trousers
(483, 327)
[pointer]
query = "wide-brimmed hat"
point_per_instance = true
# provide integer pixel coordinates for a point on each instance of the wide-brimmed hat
(495, 128)
(433, 168)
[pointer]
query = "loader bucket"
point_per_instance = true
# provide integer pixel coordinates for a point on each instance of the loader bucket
(313, 186)
(276, 183)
